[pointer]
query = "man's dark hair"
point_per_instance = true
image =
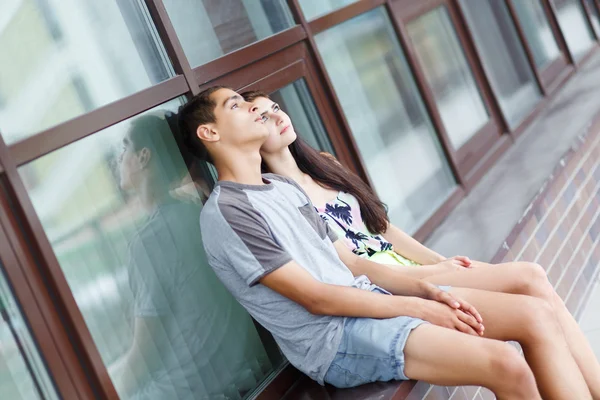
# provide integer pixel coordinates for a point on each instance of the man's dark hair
(198, 111)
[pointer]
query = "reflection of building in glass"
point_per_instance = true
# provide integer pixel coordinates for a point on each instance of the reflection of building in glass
(449, 76)
(80, 55)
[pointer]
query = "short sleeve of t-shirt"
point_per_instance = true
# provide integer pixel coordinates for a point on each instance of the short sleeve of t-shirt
(330, 233)
(237, 234)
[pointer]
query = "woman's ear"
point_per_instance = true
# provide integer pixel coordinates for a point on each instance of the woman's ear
(207, 133)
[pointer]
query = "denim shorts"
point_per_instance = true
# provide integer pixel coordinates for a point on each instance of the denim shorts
(372, 350)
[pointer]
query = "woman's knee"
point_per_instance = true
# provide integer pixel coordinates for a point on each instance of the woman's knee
(537, 320)
(532, 281)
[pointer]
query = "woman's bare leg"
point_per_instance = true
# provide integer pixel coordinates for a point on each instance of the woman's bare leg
(530, 279)
(533, 323)
(579, 345)
(450, 358)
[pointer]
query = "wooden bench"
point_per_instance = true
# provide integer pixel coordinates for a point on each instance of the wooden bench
(307, 389)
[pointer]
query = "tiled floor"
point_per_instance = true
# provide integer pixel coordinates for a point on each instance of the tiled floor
(561, 230)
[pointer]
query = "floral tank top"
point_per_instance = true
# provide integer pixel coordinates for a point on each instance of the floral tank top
(344, 217)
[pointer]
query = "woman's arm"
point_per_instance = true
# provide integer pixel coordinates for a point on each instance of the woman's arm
(410, 248)
(355, 263)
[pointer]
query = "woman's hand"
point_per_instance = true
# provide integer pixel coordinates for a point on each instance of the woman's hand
(453, 264)
(462, 260)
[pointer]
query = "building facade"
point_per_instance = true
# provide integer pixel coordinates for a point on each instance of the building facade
(105, 291)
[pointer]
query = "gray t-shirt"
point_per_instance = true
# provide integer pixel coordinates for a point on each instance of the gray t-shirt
(250, 231)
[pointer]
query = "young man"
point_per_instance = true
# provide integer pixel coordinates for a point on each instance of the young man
(342, 319)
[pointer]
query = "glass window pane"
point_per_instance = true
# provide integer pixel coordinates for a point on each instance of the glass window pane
(449, 76)
(380, 99)
(122, 215)
(575, 26)
(313, 9)
(209, 29)
(69, 57)
(594, 14)
(503, 58)
(537, 31)
(22, 373)
(296, 101)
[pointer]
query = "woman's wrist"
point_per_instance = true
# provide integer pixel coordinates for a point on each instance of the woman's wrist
(427, 290)
(439, 258)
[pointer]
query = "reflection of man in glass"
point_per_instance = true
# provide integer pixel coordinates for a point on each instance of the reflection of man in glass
(191, 339)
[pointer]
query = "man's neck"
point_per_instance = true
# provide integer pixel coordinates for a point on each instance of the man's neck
(283, 163)
(240, 168)
(151, 194)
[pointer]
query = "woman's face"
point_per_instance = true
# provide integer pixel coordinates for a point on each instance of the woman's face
(281, 130)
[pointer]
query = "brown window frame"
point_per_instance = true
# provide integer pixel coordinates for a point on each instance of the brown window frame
(32, 269)
(340, 15)
(552, 7)
(490, 136)
(25, 258)
(547, 76)
(589, 13)
(546, 96)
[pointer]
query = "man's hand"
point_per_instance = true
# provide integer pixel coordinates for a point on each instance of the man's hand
(434, 293)
(440, 314)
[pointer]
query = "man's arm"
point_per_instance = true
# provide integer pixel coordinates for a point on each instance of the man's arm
(295, 283)
(396, 282)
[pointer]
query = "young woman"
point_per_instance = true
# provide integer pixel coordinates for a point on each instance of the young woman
(358, 216)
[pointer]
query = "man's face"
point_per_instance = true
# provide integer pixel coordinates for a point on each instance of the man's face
(281, 130)
(130, 167)
(238, 122)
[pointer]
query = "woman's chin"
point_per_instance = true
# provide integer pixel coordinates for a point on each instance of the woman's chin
(289, 137)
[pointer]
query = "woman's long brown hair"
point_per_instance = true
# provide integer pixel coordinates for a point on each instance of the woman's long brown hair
(329, 173)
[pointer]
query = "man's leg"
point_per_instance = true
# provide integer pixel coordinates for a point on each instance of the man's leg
(446, 357)
(533, 323)
(530, 279)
